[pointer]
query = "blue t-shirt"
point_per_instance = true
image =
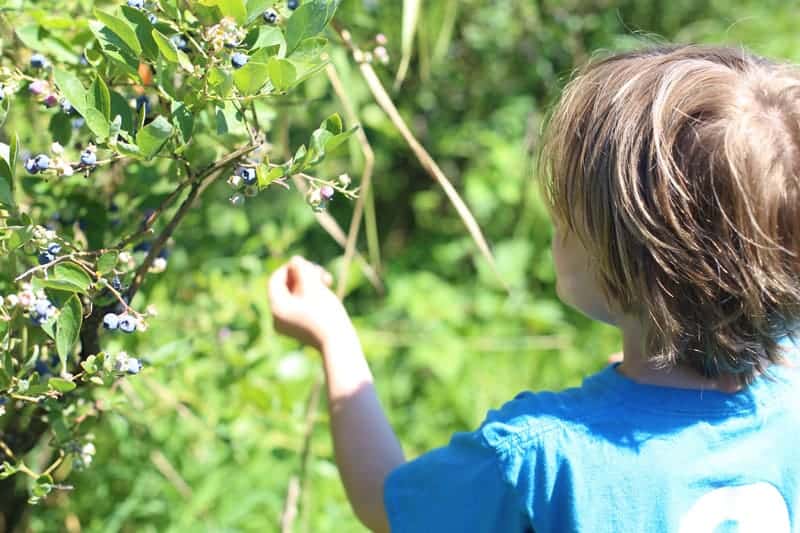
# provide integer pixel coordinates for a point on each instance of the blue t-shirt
(615, 456)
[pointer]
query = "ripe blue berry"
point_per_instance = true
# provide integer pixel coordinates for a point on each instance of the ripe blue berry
(45, 257)
(136, 4)
(127, 324)
(238, 60)
(110, 321)
(116, 284)
(54, 248)
(41, 368)
(38, 61)
(88, 158)
(270, 16)
(78, 123)
(143, 102)
(247, 174)
(31, 166)
(293, 4)
(42, 162)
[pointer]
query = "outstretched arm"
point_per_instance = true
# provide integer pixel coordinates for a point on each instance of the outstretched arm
(365, 445)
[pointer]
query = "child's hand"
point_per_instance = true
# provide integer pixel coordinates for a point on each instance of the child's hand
(303, 306)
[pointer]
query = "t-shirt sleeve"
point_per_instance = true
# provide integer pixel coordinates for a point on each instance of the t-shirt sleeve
(459, 487)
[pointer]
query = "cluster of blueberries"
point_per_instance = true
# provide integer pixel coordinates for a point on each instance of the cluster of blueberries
(123, 322)
(41, 310)
(49, 254)
(37, 164)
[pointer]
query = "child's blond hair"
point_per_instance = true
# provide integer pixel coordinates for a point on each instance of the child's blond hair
(679, 170)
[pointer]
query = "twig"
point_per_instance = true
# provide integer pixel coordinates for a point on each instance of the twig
(173, 476)
(198, 185)
(366, 179)
(385, 102)
(290, 508)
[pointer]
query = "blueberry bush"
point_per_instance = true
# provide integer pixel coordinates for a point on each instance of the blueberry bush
(117, 119)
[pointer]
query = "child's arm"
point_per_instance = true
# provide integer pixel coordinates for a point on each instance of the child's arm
(365, 445)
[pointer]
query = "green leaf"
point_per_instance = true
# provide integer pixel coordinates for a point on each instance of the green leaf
(67, 277)
(270, 38)
(308, 21)
(281, 72)
(115, 49)
(337, 140)
(122, 29)
(61, 385)
(100, 98)
(120, 107)
(7, 175)
(410, 17)
(61, 128)
(233, 8)
(68, 328)
(333, 124)
(152, 137)
(256, 8)
(221, 81)
(107, 262)
(144, 31)
(165, 46)
(184, 120)
(77, 95)
(267, 175)
(251, 78)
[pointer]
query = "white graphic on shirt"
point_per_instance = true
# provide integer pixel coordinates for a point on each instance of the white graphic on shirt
(754, 508)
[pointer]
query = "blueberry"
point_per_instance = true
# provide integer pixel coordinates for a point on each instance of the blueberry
(136, 4)
(270, 16)
(42, 162)
(42, 368)
(180, 42)
(110, 321)
(78, 123)
(54, 248)
(88, 158)
(36, 319)
(133, 366)
(38, 61)
(152, 18)
(127, 324)
(247, 174)
(143, 102)
(238, 60)
(293, 4)
(43, 307)
(143, 246)
(45, 257)
(116, 284)
(164, 253)
(31, 166)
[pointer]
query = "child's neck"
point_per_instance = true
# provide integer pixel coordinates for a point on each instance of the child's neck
(637, 367)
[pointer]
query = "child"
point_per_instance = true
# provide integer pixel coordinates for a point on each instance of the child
(673, 177)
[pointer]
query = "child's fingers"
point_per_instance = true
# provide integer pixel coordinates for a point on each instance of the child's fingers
(278, 287)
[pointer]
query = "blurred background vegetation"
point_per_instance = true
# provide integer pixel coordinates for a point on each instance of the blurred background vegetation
(209, 435)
